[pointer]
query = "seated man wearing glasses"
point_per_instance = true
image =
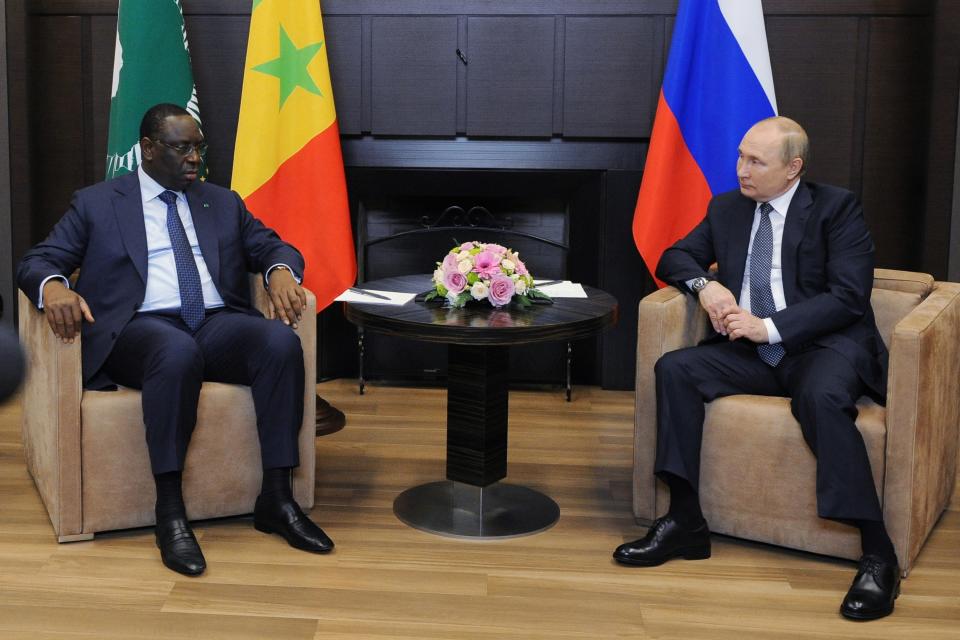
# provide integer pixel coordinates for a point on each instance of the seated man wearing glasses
(163, 303)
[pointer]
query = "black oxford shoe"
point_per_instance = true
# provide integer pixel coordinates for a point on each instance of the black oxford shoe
(873, 591)
(179, 548)
(666, 539)
(284, 517)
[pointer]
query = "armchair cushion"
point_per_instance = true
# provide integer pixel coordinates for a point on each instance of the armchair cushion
(912, 443)
(88, 456)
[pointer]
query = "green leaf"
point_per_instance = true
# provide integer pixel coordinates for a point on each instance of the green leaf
(473, 277)
(441, 290)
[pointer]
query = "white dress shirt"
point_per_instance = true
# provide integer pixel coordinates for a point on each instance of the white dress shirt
(778, 218)
(163, 288)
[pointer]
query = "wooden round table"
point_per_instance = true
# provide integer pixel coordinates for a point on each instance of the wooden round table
(472, 503)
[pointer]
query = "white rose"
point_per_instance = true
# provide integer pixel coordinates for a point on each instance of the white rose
(438, 275)
(463, 255)
(464, 266)
(478, 290)
(508, 264)
(520, 287)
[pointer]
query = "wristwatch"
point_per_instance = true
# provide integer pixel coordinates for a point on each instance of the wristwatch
(698, 284)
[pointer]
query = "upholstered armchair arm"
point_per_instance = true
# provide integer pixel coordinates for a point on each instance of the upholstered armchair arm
(51, 429)
(923, 414)
(303, 486)
(668, 320)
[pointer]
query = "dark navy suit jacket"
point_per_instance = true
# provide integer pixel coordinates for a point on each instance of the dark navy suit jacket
(827, 258)
(103, 234)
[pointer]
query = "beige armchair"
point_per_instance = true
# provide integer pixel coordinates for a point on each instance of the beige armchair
(88, 457)
(757, 475)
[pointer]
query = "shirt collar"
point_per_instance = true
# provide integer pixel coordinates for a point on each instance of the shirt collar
(781, 203)
(150, 188)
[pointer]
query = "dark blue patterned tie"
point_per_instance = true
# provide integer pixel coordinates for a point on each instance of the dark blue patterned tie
(191, 292)
(761, 297)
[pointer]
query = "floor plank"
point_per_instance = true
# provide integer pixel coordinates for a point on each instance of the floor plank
(386, 580)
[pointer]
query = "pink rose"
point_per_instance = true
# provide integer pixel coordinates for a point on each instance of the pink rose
(496, 248)
(486, 264)
(466, 246)
(450, 262)
(501, 290)
(454, 281)
(521, 269)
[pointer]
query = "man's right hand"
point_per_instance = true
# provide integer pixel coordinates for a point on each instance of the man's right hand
(717, 300)
(65, 310)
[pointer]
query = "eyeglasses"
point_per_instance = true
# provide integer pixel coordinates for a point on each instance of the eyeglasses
(185, 149)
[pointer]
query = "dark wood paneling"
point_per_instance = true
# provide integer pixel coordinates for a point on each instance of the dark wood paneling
(414, 76)
(57, 138)
(510, 76)
(515, 7)
(344, 40)
(895, 140)
(942, 155)
(218, 48)
(103, 36)
(814, 62)
(609, 76)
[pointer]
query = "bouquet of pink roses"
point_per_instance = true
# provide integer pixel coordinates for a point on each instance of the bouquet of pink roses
(478, 271)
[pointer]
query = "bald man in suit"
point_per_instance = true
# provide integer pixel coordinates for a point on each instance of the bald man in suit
(790, 309)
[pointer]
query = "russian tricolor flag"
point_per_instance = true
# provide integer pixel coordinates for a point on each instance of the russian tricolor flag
(717, 84)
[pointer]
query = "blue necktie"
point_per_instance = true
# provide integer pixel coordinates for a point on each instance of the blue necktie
(761, 297)
(191, 292)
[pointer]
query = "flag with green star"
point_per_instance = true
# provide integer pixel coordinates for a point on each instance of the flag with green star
(287, 164)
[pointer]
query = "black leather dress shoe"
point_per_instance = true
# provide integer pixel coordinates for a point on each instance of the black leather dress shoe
(179, 548)
(873, 591)
(284, 517)
(666, 539)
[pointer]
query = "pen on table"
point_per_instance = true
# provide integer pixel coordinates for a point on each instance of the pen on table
(547, 283)
(367, 293)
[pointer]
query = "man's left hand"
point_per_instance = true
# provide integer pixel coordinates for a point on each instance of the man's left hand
(287, 299)
(743, 324)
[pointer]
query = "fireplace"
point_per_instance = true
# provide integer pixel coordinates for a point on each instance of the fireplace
(407, 219)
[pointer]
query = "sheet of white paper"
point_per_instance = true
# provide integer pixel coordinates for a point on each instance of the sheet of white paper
(394, 298)
(565, 289)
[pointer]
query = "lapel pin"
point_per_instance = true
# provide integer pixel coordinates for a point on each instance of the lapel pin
(206, 205)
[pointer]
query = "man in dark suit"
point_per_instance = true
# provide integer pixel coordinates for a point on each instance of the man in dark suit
(790, 307)
(162, 303)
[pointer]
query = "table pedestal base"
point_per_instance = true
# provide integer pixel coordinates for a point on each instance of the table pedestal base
(461, 510)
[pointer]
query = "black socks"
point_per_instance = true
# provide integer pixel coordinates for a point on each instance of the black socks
(169, 496)
(875, 540)
(684, 502)
(276, 485)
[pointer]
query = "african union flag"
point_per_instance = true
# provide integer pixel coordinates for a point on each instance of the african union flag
(151, 64)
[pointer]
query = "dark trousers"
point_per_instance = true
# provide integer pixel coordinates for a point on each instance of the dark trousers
(157, 353)
(823, 389)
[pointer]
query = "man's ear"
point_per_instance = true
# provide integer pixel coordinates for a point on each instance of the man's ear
(794, 168)
(146, 148)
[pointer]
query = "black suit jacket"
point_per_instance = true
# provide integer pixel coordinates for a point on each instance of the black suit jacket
(827, 257)
(103, 233)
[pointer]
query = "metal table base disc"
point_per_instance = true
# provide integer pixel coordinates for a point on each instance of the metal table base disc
(460, 510)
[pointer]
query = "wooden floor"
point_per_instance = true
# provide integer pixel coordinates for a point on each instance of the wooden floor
(386, 580)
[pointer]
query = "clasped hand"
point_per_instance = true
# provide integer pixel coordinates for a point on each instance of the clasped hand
(287, 299)
(728, 318)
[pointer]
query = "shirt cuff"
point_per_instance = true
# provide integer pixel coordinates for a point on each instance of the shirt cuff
(266, 276)
(66, 283)
(772, 334)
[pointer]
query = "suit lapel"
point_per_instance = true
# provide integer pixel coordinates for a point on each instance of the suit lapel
(740, 225)
(128, 209)
(797, 216)
(205, 225)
